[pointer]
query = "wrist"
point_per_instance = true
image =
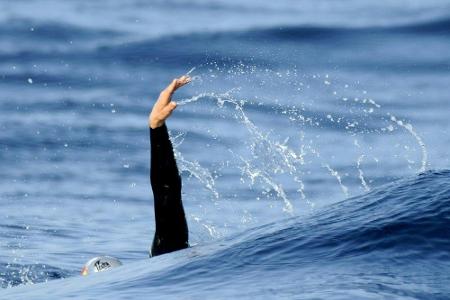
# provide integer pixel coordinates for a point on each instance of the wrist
(155, 123)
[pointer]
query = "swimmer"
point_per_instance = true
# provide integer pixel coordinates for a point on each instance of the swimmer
(171, 230)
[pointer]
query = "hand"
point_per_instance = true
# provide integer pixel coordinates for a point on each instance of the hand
(164, 106)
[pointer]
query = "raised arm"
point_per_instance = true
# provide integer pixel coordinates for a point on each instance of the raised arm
(164, 106)
(171, 231)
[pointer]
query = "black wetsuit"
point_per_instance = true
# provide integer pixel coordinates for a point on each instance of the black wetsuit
(171, 232)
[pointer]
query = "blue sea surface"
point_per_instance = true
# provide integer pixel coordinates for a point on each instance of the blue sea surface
(311, 142)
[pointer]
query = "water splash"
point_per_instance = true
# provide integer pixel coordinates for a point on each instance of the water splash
(270, 157)
(419, 140)
(210, 228)
(16, 274)
(282, 156)
(190, 71)
(202, 174)
(194, 168)
(361, 173)
(369, 106)
(255, 174)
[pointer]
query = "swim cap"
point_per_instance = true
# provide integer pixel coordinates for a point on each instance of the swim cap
(100, 264)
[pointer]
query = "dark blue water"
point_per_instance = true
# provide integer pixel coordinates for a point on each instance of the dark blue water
(312, 145)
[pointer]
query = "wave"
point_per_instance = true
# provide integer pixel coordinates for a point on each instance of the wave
(18, 274)
(433, 26)
(28, 28)
(380, 243)
(51, 31)
(400, 222)
(229, 47)
(306, 32)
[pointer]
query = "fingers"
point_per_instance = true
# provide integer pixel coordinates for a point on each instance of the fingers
(183, 80)
(178, 82)
(167, 111)
(164, 106)
(170, 107)
(166, 94)
(172, 86)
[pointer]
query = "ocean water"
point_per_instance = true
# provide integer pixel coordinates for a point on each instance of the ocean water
(312, 146)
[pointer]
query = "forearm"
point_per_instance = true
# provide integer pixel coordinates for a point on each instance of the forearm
(171, 232)
(163, 165)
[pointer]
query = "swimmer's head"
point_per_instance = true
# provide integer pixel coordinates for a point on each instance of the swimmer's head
(100, 264)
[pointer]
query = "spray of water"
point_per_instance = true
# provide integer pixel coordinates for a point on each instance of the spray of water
(269, 157)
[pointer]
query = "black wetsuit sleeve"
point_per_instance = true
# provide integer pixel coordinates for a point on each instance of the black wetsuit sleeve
(171, 232)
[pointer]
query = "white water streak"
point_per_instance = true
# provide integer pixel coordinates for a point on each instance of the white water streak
(287, 155)
(210, 228)
(335, 174)
(419, 140)
(255, 173)
(361, 174)
(190, 71)
(195, 169)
